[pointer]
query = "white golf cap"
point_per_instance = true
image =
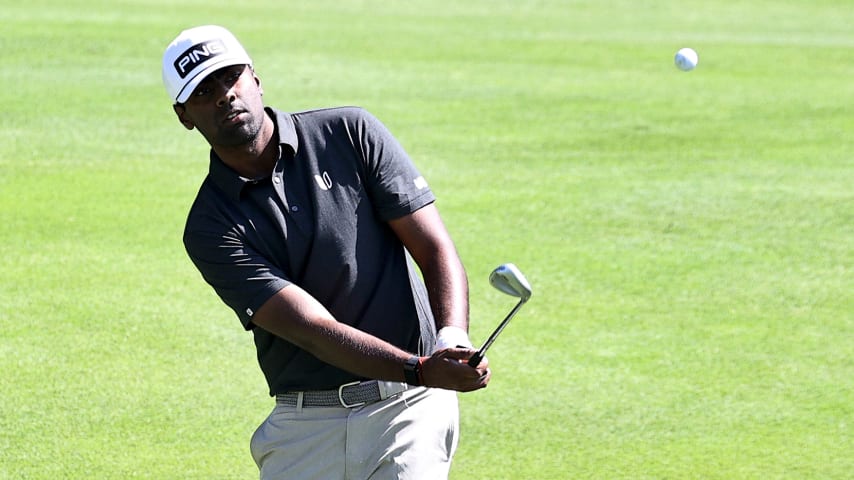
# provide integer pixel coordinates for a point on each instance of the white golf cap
(195, 54)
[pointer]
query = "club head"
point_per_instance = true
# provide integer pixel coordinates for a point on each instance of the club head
(511, 281)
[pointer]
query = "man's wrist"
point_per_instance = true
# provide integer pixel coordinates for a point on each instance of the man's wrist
(412, 371)
(451, 337)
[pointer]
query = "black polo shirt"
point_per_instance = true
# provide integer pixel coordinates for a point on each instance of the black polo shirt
(319, 221)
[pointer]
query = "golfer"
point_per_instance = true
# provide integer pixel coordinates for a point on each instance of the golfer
(307, 226)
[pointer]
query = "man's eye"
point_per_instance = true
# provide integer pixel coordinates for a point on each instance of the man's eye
(202, 91)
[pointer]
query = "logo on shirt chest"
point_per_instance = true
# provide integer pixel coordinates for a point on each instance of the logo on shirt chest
(323, 181)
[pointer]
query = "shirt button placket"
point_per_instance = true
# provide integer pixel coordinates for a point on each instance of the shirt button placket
(277, 180)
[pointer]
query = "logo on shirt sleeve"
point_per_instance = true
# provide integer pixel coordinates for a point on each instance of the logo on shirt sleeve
(420, 183)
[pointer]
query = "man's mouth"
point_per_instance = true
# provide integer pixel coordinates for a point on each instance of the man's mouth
(233, 116)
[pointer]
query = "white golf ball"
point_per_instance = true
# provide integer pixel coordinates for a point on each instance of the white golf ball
(686, 59)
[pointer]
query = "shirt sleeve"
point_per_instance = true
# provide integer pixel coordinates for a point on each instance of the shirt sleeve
(242, 278)
(394, 184)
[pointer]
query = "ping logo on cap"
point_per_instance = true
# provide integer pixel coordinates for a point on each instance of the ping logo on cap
(196, 55)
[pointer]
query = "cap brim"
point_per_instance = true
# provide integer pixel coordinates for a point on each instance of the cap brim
(190, 86)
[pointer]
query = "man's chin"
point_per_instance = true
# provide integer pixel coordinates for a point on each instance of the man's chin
(236, 137)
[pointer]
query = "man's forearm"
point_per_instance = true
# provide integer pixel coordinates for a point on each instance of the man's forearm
(297, 317)
(447, 287)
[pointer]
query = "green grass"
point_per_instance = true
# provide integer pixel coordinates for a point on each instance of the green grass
(689, 236)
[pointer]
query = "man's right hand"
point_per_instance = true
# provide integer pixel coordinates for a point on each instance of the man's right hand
(448, 369)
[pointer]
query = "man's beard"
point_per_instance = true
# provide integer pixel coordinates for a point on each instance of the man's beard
(240, 134)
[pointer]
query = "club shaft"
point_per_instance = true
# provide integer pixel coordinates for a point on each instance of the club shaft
(474, 361)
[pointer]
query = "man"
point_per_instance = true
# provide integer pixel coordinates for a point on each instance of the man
(305, 226)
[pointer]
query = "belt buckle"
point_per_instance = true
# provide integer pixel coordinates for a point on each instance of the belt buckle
(341, 396)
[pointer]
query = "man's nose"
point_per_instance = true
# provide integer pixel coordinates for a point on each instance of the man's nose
(224, 92)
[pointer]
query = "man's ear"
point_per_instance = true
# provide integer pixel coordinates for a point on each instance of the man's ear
(257, 81)
(180, 112)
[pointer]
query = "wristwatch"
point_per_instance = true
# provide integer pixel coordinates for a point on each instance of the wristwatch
(412, 370)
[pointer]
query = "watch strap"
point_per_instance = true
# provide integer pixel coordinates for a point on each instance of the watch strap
(412, 370)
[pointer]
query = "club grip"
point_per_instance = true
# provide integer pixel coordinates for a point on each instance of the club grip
(475, 359)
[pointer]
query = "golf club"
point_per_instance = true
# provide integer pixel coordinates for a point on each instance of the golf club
(508, 279)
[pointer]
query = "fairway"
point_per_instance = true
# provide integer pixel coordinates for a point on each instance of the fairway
(688, 236)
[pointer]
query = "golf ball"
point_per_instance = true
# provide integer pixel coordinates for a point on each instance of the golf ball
(686, 59)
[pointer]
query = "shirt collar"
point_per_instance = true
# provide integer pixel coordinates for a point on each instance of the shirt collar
(230, 181)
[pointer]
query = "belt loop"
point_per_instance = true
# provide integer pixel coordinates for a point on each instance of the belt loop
(299, 401)
(382, 387)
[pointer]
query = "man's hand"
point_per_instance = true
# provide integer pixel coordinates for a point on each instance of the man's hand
(448, 369)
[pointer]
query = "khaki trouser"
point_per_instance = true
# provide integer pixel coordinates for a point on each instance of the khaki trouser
(410, 436)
